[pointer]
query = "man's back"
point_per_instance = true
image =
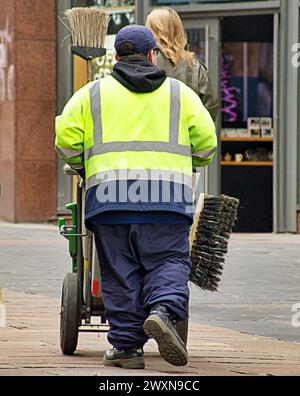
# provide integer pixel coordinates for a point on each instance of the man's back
(137, 133)
(162, 132)
(145, 115)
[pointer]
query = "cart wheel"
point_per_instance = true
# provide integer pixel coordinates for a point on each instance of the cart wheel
(70, 311)
(182, 329)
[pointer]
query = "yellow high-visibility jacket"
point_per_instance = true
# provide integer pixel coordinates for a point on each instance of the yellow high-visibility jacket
(116, 134)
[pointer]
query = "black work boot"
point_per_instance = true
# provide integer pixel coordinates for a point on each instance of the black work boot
(130, 359)
(161, 327)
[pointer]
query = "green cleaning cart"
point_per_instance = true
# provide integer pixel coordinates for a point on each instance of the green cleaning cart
(81, 295)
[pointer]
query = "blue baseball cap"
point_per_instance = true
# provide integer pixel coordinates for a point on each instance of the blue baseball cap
(139, 36)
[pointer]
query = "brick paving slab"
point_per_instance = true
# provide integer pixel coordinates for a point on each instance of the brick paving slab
(29, 345)
(258, 292)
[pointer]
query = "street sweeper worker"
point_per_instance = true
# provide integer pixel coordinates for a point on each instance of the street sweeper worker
(138, 135)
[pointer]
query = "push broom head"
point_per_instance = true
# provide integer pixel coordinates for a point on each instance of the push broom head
(88, 27)
(209, 240)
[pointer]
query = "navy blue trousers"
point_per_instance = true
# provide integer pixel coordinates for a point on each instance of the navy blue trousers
(141, 265)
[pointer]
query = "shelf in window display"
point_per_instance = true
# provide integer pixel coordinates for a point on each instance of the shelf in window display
(247, 163)
(247, 139)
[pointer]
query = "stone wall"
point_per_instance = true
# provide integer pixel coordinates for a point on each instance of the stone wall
(27, 110)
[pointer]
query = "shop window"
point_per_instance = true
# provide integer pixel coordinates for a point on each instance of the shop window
(246, 71)
(197, 42)
(247, 82)
(247, 132)
(111, 3)
(182, 2)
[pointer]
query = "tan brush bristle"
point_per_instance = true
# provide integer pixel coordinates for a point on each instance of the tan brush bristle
(88, 26)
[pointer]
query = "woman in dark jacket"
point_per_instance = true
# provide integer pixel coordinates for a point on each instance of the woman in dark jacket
(179, 63)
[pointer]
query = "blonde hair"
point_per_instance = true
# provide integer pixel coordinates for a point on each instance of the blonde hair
(169, 32)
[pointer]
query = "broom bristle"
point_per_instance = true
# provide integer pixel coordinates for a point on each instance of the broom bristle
(88, 26)
(210, 240)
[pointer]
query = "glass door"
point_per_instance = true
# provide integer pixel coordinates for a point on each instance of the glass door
(204, 40)
(247, 133)
(198, 42)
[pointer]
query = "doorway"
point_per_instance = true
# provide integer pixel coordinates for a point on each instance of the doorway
(247, 119)
(239, 52)
(203, 39)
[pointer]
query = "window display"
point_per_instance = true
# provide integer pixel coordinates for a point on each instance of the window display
(110, 3)
(247, 118)
(246, 82)
(197, 42)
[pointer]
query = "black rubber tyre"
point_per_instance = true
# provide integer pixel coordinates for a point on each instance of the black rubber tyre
(183, 329)
(70, 315)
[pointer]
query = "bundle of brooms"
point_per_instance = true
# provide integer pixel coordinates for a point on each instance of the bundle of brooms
(214, 221)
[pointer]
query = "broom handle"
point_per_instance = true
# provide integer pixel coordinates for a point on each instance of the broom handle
(90, 70)
(197, 219)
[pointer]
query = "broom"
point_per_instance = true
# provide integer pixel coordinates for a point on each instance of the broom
(213, 224)
(88, 27)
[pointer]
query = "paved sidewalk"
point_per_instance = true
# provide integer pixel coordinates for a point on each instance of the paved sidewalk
(258, 291)
(29, 345)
